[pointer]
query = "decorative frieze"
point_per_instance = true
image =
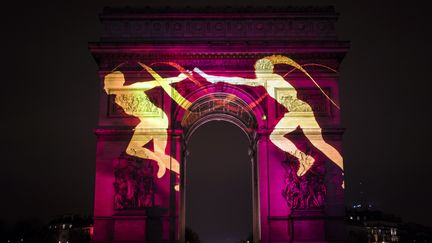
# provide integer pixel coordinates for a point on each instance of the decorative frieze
(266, 24)
(303, 102)
(218, 103)
(134, 102)
(151, 30)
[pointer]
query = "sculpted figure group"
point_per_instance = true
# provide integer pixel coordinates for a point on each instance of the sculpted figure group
(133, 183)
(114, 82)
(306, 191)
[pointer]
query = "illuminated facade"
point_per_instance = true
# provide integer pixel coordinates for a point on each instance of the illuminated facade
(69, 228)
(365, 225)
(273, 73)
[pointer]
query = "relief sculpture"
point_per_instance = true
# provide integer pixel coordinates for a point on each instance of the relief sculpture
(134, 183)
(300, 108)
(136, 103)
(312, 102)
(304, 192)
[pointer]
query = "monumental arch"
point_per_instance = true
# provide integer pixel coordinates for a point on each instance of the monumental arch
(272, 72)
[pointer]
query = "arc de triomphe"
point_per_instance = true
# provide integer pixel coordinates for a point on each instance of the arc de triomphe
(272, 72)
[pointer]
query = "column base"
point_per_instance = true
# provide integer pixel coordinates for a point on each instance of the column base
(308, 225)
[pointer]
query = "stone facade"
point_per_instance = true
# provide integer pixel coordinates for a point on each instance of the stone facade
(144, 127)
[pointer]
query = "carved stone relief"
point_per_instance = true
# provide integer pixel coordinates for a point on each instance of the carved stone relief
(214, 28)
(303, 102)
(304, 192)
(134, 183)
(135, 103)
(218, 103)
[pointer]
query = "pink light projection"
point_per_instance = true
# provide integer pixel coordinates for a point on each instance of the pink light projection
(270, 81)
(154, 123)
(265, 76)
(274, 75)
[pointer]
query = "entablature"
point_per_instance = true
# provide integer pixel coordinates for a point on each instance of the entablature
(157, 24)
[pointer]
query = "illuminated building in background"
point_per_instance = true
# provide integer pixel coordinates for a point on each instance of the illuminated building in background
(272, 72)
(372, 226)
(69, 229)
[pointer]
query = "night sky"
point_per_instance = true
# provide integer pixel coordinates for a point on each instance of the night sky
(49, 105)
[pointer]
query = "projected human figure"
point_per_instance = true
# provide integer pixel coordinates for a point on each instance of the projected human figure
(272, 81)
(114, 85)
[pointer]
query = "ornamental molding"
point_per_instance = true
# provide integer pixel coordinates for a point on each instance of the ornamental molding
(232, 61)
(125, 24)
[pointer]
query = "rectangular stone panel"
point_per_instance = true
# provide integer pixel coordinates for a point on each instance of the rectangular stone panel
(134, 102)
(129, 229)
(303, 102)
(280, 228)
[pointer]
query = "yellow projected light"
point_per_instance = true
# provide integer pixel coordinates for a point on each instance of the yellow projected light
(271, 81)
(114, 84)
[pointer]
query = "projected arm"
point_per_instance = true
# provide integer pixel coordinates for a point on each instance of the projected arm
(116, 80)
(154, 83)
(230, 80)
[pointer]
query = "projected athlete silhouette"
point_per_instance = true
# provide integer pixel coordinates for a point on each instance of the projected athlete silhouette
(271, 81)
(114, 85)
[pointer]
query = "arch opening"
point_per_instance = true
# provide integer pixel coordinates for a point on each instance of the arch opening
(232, 110)
(219, 183)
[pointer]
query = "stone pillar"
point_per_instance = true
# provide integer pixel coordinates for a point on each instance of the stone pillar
(182, 209)
(177, 196)
(262, 140)
(253, 146)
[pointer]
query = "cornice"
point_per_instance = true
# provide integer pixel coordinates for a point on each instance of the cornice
(219, 46)
(146, 51)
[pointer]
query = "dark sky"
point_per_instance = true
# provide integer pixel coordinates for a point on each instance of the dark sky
(49, 104)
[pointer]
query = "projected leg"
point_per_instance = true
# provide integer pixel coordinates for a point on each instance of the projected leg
(288, 146)
(135, 148)
(168, 161)
(318, 141)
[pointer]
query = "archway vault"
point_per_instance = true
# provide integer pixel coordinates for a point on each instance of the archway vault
(221, 107)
